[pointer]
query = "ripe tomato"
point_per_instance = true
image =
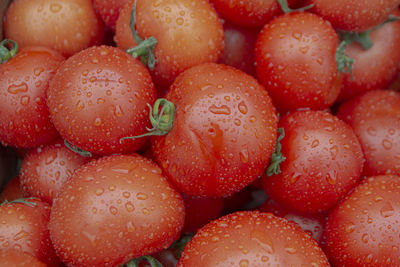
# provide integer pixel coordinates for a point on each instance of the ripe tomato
(323, 162)
(14, 257)
(188, 33)
(45, 169)
(12, 190)
(24, 117)
(375, 119)
(295, 55)
(25, 227)
(115, 209)
(67, 26)
(354, 16)
(252, 239)
(98, 96)
(109, 10)
(363, 230)
(223, 135)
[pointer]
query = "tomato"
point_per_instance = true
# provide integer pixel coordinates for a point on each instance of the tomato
(188, 33)
(24, 117)
(363, 230)
(67, 26)
(98, 96)
(323, 162)
(109, 10)
(252, 239)
(295, 55)
(354, 16)
(376, 67)
(45, 169)
(14, 257)
(375, 118)
(12, 190)
(223, 134)
(25, 227)
(114, 209)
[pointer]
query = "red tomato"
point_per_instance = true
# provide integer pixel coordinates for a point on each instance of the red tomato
(25, 227)
(252, 239)
(67, 26)
(323, 162)
(17, 258)
(109, 10)
(12, 190)
(223, 135)
(188, 33)
(45, 169)
(115, 209)
(363, 230)
(295, 55)
(100, 95)
(354, 16)
(375, 118)
(24, 117)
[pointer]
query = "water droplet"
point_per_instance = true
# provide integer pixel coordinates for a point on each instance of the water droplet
(371, 131)
(126, 194)
(244, 263)
(25, 100)
(291, 250)
(224, 109)
(129, 207)
(387, 210)
(304, 49)
(113, 210)
(334, 152)
(120, 170)
(130, 227)
(18, 88)
(253, 119)
(38, 71)
(141, 196)
(297, 35)
(244, 155)
(386, 144)
(237, 122)
(79, 105)
(20, 235)
(55, 7)
(365, 238)
(145, 211)
(331, 178)
(118, 111)
(180, 21)
(263, 240)
(97, 122)
(99, 191)
(315, 143)
(350, 227)
(295, 177)
(243, 108)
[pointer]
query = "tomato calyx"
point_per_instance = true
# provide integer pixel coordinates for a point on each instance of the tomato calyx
(8, 50)
(286, 9)
(277, 156)
(161, 120)
(135, 262)
(145, 47)
(180, 244)
(77, 150)
(21, 200)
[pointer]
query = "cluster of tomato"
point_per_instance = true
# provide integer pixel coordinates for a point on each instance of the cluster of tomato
(201, 133)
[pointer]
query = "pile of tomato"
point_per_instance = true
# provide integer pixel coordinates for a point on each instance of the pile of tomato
(200, 133)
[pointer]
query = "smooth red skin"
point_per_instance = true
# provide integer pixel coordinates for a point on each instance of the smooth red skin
(295, 55)
(188, 33)
(12, 190)
(67, 26)
(354, 16)
(99, 96)
(24, 79)
(25, 227)
(200, 211)
(45, 169)
(239, 48)
(14, 257)
(375, 119)
(115, 209)
(252, 238)
(363, 230)
(375, 68)
(311, 224)
(109, 10)
(323, 162)
(223, 134)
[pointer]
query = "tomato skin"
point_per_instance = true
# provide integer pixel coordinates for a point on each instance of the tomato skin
(323, 162)
(376, 67)
(114, 209)
(24, 117)
(375, 119)
(363, 230)
(354, 16)
(295, 55)
(223, 134)
(12, 190)
(67, 26)
(109, 10)
(25, 228)
(13, 257)
(99, 96)
(251, 238)
(188, 33)
(45, 169)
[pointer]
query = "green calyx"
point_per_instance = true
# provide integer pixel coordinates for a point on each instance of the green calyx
(150, 260)
(286, 9)
(8, 50)
(21, 200)
(162, 116)
(77, 150)
(180, 244)
(144, 48)
(277, 156)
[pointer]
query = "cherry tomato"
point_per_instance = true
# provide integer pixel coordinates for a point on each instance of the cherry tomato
(12, 190)
(14, 257)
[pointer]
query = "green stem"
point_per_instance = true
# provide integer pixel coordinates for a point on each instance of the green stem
(151, 260)
(21, 200)
(180, 244)
(344, 62)
(277, 156)
(286, 9)
(8, 50)
(77, 150)
(161, 120)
